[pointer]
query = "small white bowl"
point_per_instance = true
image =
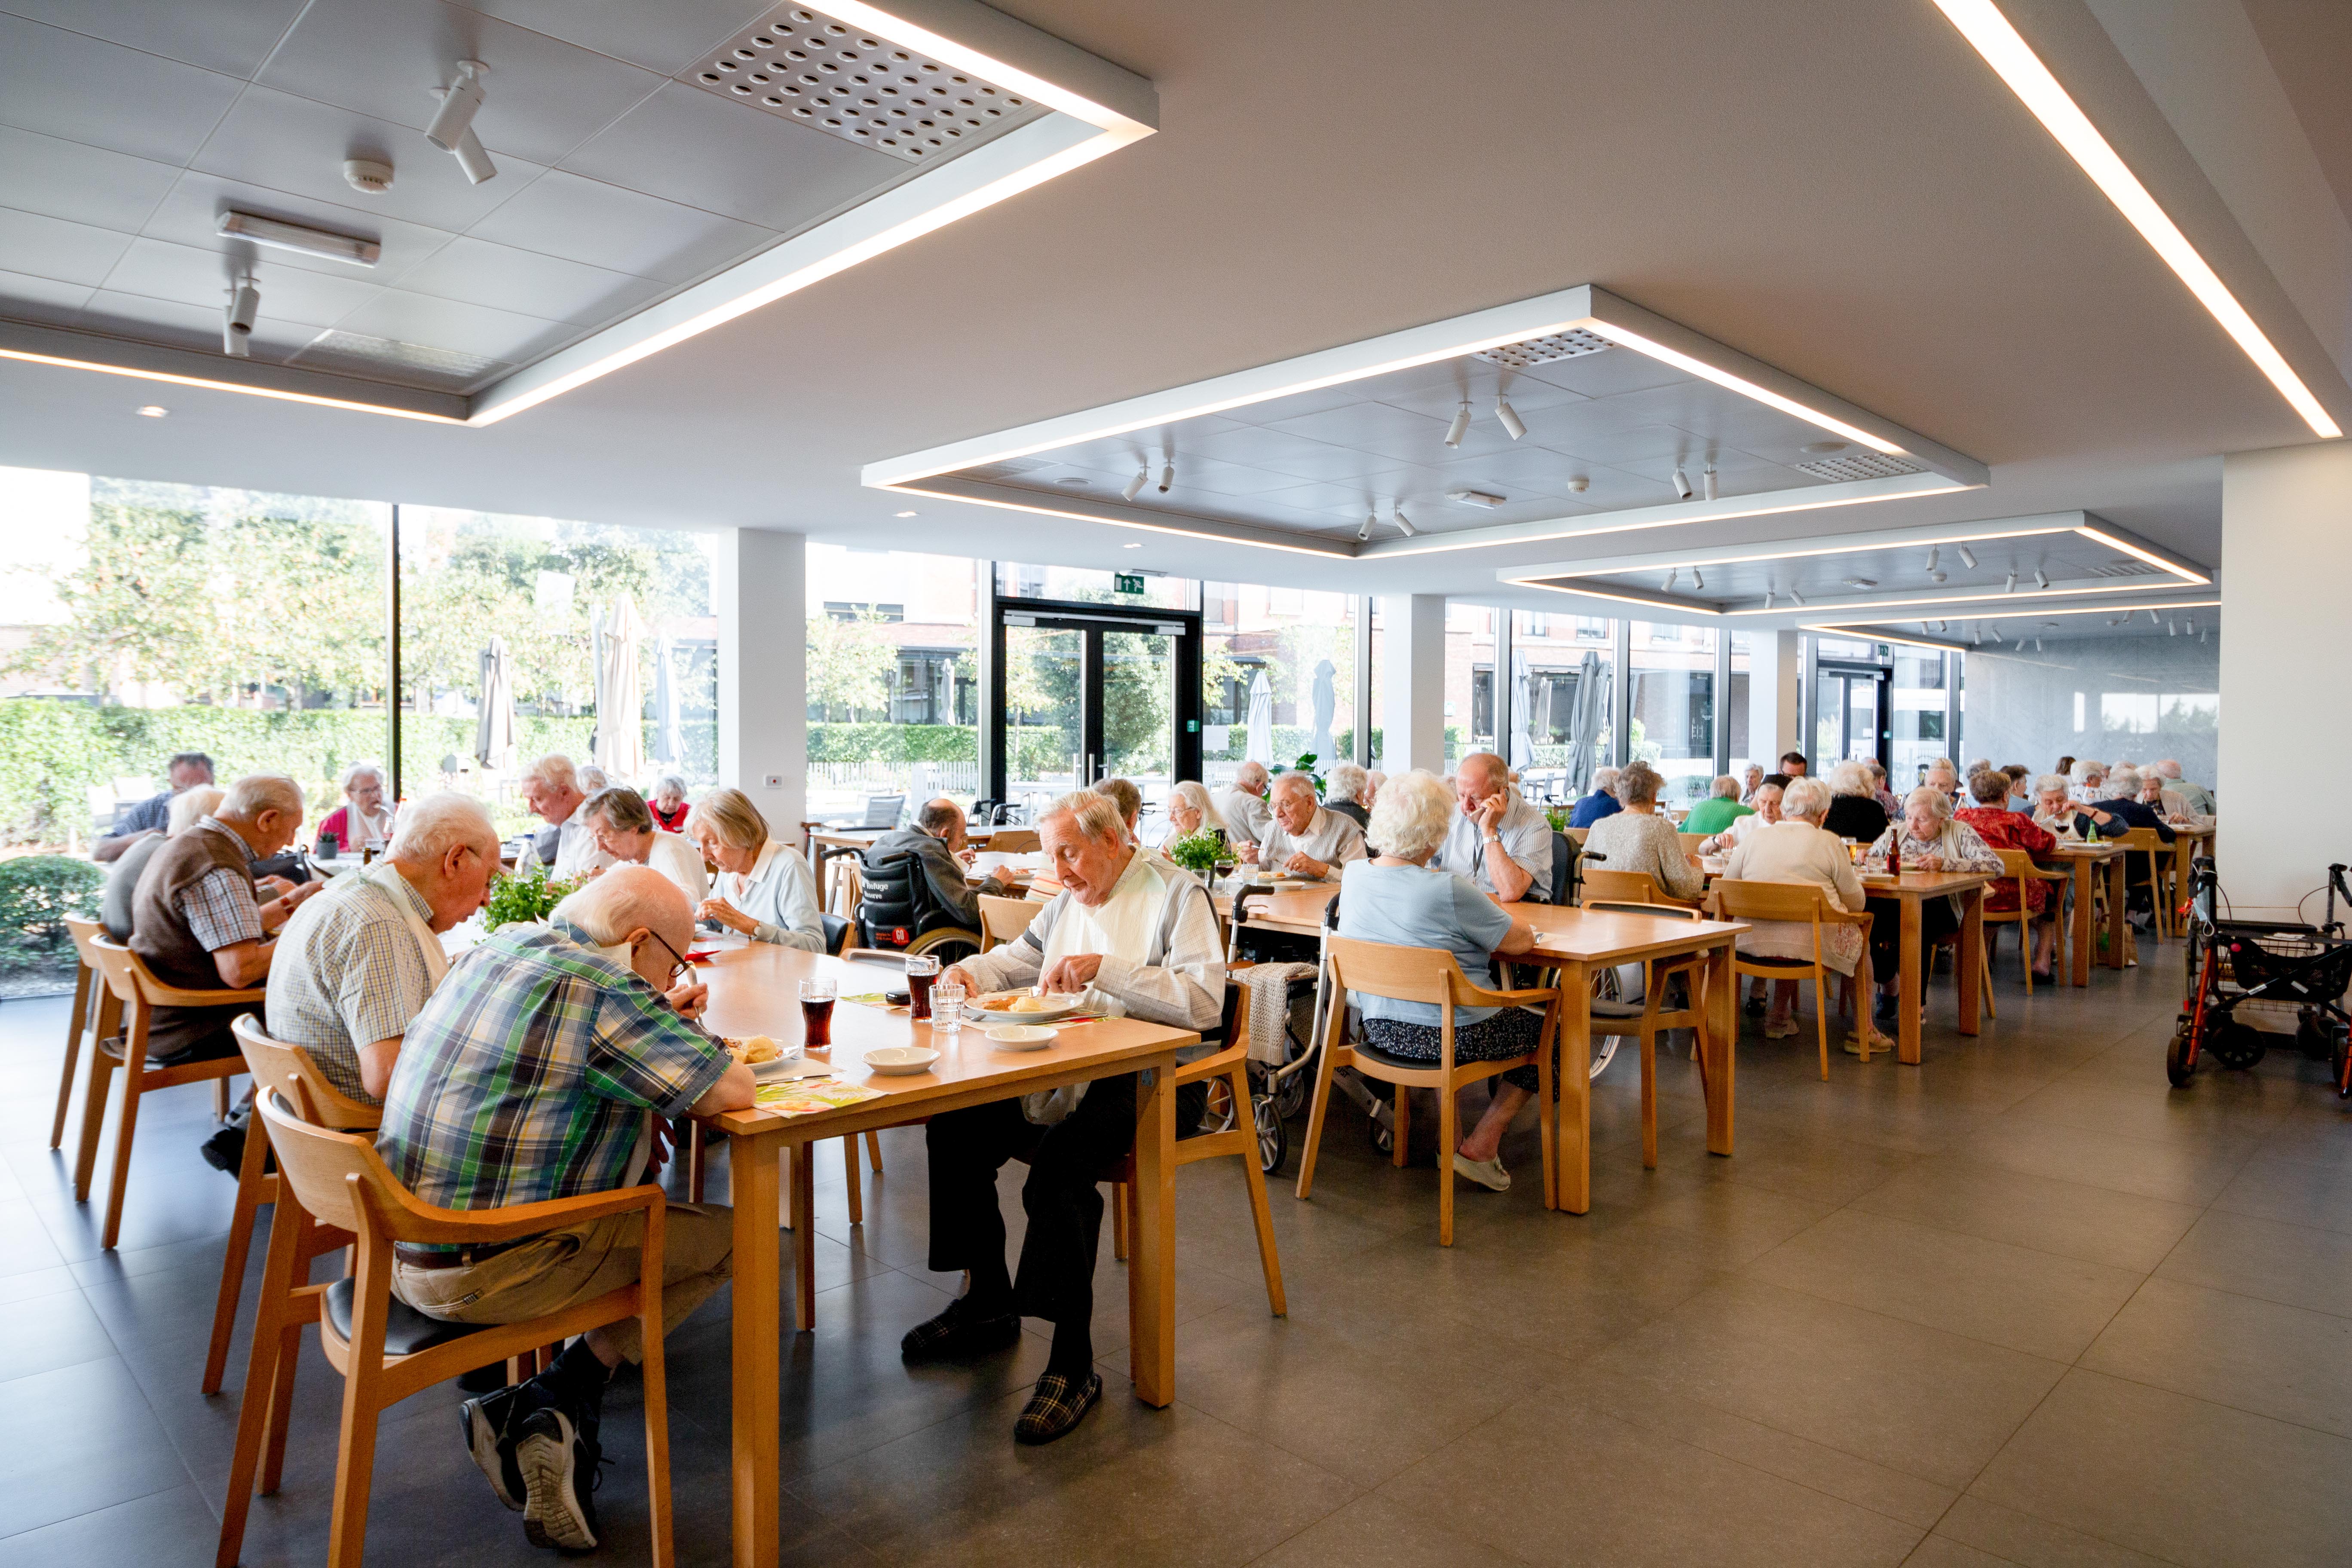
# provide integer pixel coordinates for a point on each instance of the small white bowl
(899, 1060)
(1020, 1036)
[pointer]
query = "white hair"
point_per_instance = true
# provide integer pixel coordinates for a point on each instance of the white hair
(1726, 788)
(253, 794)
(1933, 797)
(2049, 783)
(359, 771)
(1196, 796)
(672, 785)
(1847, 778)
(2168, 769)
(1604, 781)
(1301, 781)
(2124, 781)
(592, 779)
(622, 898)
(428, 829)
(1806, 798)
(554, 771)
(1412, 815)
(1251, 777)
(1094, 816)
(195, 801)
(2086, 770)
(1347, 782)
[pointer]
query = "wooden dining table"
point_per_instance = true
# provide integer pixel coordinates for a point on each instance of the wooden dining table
(754, 989)
(1911, 890)
(2086, 861)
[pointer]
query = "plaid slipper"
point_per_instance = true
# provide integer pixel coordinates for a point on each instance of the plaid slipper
(1058, 1407)
(959, 1334)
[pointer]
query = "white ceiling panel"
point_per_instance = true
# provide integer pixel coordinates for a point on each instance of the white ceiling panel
(190, 215)
(480, 273)
(1735, 472)
(87, 184)
(1608, 374)
(185, 326)
(453, 325)
(64, 84)
(1440, 402)
(1250, 444)
(1275, 410)
(53, 248)
(1217, 478)
(233, 36)
(1387, 432)
(564, 215)
(1624, 445)
(29, 298)
(200, 276)
(687, 146)
(388, 59)
(294, 144)
(1521, 471)
(666, 37)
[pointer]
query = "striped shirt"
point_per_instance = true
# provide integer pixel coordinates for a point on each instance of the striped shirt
(528, 1074)
(348, 973)
(219, 906)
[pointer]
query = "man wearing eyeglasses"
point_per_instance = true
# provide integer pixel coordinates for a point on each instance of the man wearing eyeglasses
(537, 1071)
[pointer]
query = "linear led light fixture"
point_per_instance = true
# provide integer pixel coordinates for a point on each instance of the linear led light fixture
(1990, 34)
(1587, 306)
(302, 236)
(33, 344)
(1866, 629)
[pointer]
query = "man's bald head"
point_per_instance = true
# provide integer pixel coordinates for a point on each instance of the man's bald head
(1491, 771)
(1251, 780)
(624, 899)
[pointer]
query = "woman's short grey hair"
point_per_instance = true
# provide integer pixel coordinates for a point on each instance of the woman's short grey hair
(428, 829)
(1933, 797)
(2125, 782)
(1726, 788)
(2050, 783)
(1412, 815)
(621, 806)
(594, 780)
(2086, 770)
(1345, 782)
(1094, 816)
(1847, 778)
(1638, 782)
(253, 794)
(731, 817)
(1196, 796)
(1604, 781)
(357, 771)
(190, 805)
(622, 898)
(1806, 798)
(670, 787)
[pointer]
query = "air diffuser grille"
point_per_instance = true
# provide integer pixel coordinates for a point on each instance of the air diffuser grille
(445, 369)
(2122, 569)
(1530, 353)
(808, 67)
(1860, 466)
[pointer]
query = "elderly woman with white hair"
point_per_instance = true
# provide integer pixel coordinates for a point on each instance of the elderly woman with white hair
(1642, 838)
(1927, 838)
(2090, 780)
(1854, 812)
(1401, 898)
(363, 819)
(668, 803)
(1602, 802)
(1798, 848)
(764, 889)
(1189, 811)
(1346, 789)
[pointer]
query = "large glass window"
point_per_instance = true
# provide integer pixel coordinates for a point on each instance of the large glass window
(1469, 680)
(894, 678)
(1740, 745)
(1277, 678)
(1672, 691)
(1563, 670)
(1080, 584)
(1920, 706)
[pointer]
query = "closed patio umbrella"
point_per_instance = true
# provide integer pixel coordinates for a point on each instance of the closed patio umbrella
(494, 723)
(1523, 719)
(1260, 748)
(669, 740)
(621, 694)
(1585, 716)
(1327, 702)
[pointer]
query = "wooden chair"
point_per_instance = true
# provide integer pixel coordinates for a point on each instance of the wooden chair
(1801, 903)
(96, 1013)
(2018, 867)
(1014, 841)
(2144, 841)
(386, 1351)
(139, 993)
(1656, 1016)
(1431, 975)
(288, 1302)
(1003, 919)
(1691, 841)
(1628, 887)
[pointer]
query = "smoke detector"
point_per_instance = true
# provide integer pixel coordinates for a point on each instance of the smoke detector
(369, 176)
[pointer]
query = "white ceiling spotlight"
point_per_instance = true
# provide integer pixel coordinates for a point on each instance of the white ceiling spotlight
(1167, 476)
(1487, 499)
(1681, 482)
(2011, 586)
(1796, 598)
(237, 318)
(1706, 481)
(452, 127)
(1698, 583)
(2172, 628)
(2037, 645)
(2192, 626)
(1135, 486)
(1366, 531)
(299, 236)
(2153, 617)
(1967, 558)
(1508, 417)
(1668, 587)
(1768, 598)
(1461, 426)
(1995, 632)
(2041, 578)
(1396, 515)
(2205, 635)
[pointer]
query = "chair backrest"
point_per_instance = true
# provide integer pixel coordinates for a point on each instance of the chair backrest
(1400, 973)
(319, 1165)
(2140, 839)
(1624, 887)
(1737, 898)
(119, 966)
(293, 1072)
(1691, 841)
(837, 929)
(1014, 840)
(1563, 867)
(1003, 919)
(85, 932)
(882, 810)
(1661, 911)
(2017, 865)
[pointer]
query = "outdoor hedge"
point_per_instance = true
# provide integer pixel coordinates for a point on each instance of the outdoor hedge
(37, 893)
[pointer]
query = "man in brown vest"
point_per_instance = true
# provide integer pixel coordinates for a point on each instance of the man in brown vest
(197, 921)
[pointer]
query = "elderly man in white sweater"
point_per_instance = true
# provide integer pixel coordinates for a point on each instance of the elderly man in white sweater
(1131, 934)
(1306, 838)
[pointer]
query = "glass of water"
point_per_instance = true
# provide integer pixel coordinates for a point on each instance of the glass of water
(946, 1007)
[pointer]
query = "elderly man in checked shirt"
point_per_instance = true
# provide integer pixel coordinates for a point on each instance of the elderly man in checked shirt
(530, 1075)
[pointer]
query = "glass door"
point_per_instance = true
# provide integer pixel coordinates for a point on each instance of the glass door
(1850, 717)
(1086, 696)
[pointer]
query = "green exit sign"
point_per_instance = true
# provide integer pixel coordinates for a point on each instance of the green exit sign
(1128, 582)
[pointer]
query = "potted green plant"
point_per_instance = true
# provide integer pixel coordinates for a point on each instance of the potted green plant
(1200, 853)
(525, 896)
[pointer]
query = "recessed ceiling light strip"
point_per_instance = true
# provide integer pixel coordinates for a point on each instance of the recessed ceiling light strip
(1981, 23)
(214, 372)
(1118, 516)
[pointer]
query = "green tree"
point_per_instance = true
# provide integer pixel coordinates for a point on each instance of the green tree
(139, 606)
(849, 662)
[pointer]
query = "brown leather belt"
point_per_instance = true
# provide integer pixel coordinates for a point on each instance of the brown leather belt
(441, 1257)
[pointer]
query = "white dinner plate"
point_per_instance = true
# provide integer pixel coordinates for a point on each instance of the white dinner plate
(786, 1068)
(1059, 1006)
(898, 1059)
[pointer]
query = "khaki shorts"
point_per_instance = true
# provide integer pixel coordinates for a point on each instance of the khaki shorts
(551, 1272)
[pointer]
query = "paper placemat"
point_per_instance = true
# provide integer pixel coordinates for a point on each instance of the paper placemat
(809, 1096)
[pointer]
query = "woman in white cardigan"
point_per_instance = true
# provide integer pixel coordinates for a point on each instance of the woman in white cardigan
(1797, 848)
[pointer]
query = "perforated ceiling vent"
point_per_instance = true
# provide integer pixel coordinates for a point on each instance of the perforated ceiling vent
(1529, 353)
(2122, 569)
(413, 363)
(1860, 466)
(806, 67)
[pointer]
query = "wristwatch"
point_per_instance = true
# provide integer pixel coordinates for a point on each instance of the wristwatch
(1493, 838)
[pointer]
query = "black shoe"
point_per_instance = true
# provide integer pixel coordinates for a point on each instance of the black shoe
(1886, 1006)
(483, 1379)
(556, 1451)
(1755, 1007)
(1058, 1406)
(224, 1150)
(489, 1423)
(959, 1333)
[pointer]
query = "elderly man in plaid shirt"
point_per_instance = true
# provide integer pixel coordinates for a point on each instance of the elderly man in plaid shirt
(528, 1076)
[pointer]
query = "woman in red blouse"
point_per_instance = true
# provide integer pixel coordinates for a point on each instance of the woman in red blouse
(2005, 829)
(669, 804)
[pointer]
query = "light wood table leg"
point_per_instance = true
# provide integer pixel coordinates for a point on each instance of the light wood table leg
(2119, 919)
(757, 1394)
(1574, 1140)
(1151, 1271)
(1722, 1044)
(1906, 1001)
(1970, 958)
(803, 1235)
(2079, 970)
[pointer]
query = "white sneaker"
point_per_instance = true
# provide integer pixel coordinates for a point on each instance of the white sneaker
(1488, 1174)
(1785, 1030)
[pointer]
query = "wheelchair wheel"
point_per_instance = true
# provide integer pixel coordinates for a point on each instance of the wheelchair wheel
(2235, 1044)
(2179, 1065)
(1219, 1115)
(2315, 1035)
(1272, 1137)
(1290, 1095)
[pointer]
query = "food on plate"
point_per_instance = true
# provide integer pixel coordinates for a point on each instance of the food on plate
(753, 1051)
(1029, 1005)
(999, 1003)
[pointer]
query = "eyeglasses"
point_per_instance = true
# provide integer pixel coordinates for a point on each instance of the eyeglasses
(676, 969)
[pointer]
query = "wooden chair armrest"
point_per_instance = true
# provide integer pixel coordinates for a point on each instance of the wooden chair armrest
(1216, 1064)
(419, 1222)
(1846, 917)
(1482, 997)
(161, 995)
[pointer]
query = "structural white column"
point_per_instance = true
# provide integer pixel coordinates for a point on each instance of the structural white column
(1412, 682)
(2286, 556)
(760, 583)
(1773, 671)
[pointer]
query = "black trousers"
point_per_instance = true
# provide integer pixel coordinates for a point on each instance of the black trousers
(1936, 921)
(1063, 1196)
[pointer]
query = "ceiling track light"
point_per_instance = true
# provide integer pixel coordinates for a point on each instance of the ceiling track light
(1978, 641)
(1698, 583)
(1995, 632)
(2205, 635)
(2153, 617)
(452, 126)
(1396, 514)
(1768, 598)
(1167, 476)
(1508, 417)
(1681, 483)
(1672, 573)
(2037, 645)
(2192, 626)
(1461, 426)
(1706, 481)
(1135, 486)
(1967, 558)
(299, 236)
(1932, 553)
(237, 318)
(1366, 531)
(2172, 628)
(1796, 598)
(2040, 579)
(2011, 586)
(1943, 625)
